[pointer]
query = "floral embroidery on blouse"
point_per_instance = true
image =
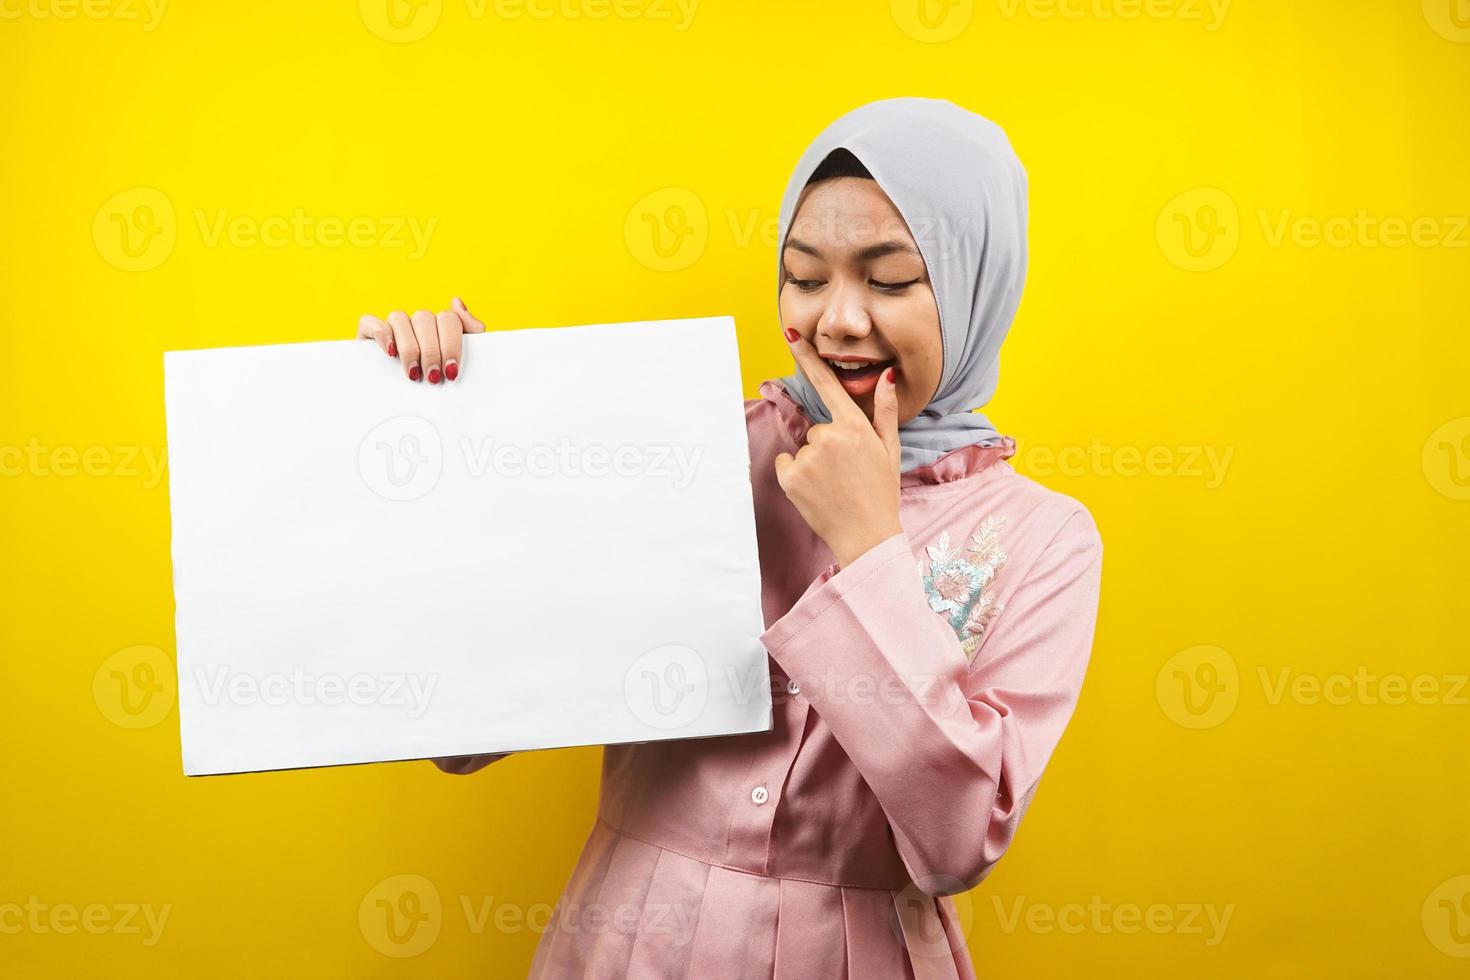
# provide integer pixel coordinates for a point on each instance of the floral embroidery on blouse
(958, 582)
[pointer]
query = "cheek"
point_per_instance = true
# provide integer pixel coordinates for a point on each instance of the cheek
(931, 361)
(916, 386)
(923, 357)
(795, 309)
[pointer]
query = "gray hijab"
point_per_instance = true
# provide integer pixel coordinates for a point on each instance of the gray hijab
(957, 183)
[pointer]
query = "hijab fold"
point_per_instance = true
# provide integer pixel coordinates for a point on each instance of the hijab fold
(957, 183)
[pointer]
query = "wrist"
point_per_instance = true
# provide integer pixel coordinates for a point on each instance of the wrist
(850, 551)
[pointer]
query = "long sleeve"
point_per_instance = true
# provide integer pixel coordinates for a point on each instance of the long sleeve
(953, 750)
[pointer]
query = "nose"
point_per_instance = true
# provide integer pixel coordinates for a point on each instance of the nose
(846, 315)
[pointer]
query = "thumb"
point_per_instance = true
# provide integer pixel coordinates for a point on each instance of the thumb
(885, 416)
(468, 320)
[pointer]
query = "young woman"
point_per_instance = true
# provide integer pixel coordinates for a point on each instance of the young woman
(930, 612)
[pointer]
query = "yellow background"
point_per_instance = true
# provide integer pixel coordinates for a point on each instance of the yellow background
(545, 141)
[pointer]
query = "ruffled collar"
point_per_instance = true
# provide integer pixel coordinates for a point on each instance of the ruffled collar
(957, 464)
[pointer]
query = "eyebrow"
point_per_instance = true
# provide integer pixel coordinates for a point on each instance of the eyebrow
(863, 254)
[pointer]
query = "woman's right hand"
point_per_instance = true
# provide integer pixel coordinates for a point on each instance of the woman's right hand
(464, 765)
(426, 344)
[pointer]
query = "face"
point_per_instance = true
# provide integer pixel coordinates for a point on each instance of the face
(856, 287)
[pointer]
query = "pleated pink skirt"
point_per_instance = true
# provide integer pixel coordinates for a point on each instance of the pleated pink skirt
(633, 909)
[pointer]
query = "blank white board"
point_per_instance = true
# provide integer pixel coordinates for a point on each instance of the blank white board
(557, 549)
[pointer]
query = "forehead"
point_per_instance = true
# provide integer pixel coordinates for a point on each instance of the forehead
(848, 213)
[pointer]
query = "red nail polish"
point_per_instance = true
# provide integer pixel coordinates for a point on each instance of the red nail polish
(791, 335)
(888, 375)
(392, 349)
(433, 375)
(451, 370)
(414, 373)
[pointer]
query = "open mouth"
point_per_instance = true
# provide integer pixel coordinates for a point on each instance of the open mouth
(858, 376)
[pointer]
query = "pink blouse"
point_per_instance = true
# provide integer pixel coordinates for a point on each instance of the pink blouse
(918, 694)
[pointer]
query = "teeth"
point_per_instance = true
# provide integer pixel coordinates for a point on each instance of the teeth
(849, 365)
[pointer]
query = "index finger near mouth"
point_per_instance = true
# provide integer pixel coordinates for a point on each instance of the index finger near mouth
(824, 379)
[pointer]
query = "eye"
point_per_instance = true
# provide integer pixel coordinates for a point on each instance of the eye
(805, 285)
(892, 287)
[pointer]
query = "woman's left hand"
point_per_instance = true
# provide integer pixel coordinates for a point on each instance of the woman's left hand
(845, 480)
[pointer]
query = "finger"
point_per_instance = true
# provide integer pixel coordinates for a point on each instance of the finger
(885, 416)
(839, 403)
(426, 329)
(783, 462)
(471, 323)
(464, 765)
(450, 331)
(371, 328)
(409, 353)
